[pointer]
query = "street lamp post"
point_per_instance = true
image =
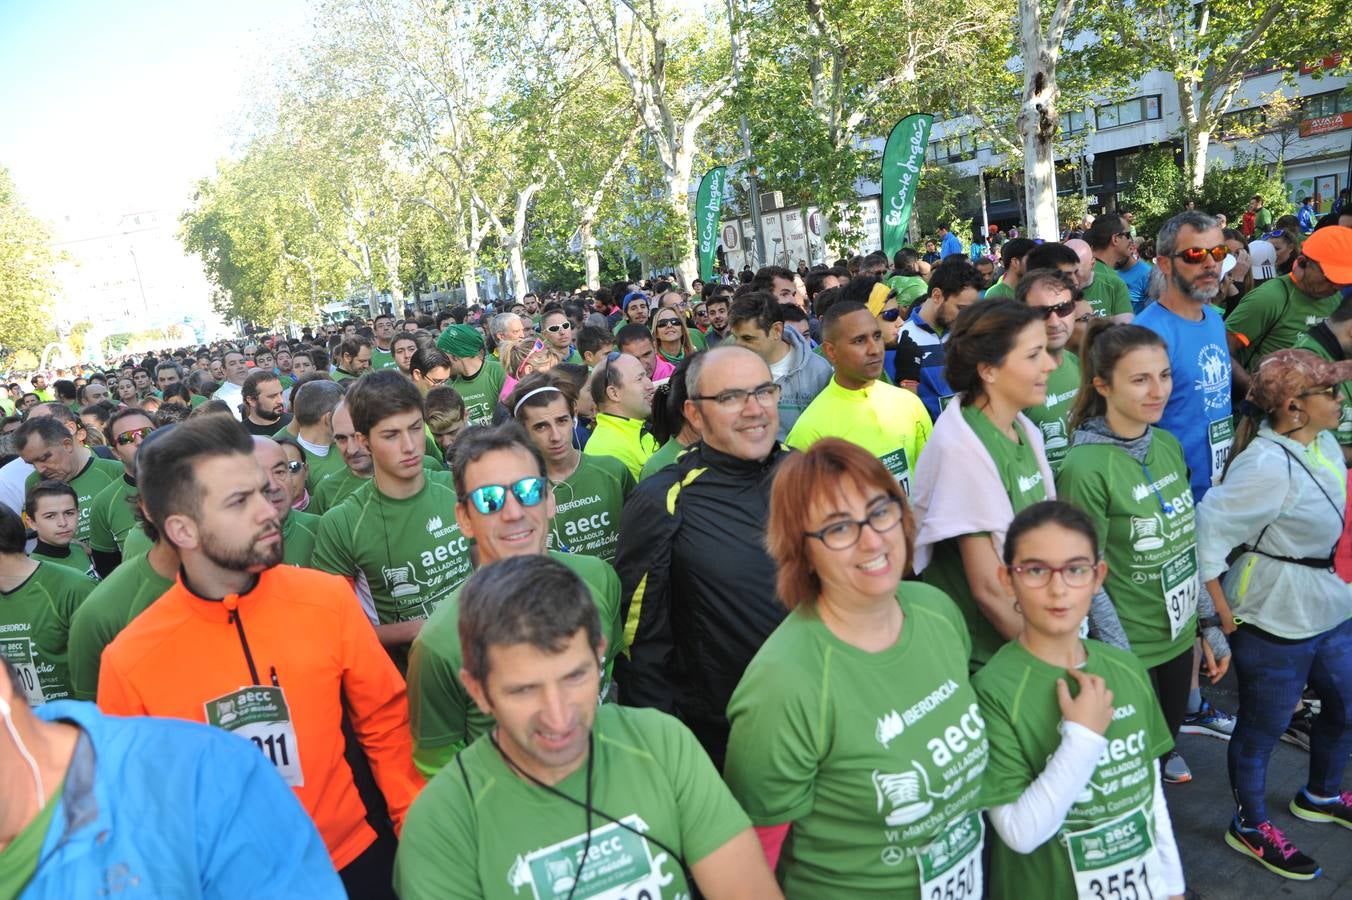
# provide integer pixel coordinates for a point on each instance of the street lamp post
(753, 185)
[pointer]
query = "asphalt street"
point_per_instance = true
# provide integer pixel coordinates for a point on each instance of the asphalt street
(1201, 810)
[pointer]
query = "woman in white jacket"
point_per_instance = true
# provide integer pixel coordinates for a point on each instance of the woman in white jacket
(1281, 503)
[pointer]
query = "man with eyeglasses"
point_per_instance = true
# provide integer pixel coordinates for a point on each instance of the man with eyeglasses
(298, 528)
(698, 586)
(1186, 280)
(920, 341)
(505, 506)
(623, 394)
(394, 537)
(111, 517)
(557, 331)
(382, 355)
(1272, 315)
(888, 421)
(1055, 295)
(1109, 242)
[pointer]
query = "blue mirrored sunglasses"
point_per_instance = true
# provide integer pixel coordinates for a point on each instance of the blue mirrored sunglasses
(492, 498)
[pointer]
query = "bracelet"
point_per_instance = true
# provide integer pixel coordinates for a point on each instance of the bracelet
(1208, 622)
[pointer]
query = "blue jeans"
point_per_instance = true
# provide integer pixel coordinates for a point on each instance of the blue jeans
(1272, 673)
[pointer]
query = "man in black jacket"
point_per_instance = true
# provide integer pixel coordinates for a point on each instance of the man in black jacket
(698, 588)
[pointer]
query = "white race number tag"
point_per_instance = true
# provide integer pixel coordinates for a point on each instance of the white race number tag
(1220, 434)
(950, 867)
(1178, 578)
(260, 714)
(1117, 860)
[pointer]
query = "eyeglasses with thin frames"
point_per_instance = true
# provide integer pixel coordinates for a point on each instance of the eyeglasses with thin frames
(735, 398)
(1075, 574)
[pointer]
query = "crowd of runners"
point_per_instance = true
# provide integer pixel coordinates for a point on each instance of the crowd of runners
(893, 578)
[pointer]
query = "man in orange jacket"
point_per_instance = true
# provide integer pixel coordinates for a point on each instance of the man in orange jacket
(277, 654)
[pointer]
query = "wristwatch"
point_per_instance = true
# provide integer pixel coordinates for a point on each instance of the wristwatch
(1208, 622)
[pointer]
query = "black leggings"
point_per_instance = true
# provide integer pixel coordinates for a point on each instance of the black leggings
(1172, 681)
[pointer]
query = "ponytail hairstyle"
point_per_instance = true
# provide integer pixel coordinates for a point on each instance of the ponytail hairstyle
(984, 332)
(1105, 343)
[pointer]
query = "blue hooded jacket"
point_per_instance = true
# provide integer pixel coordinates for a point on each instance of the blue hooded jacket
(165, 808)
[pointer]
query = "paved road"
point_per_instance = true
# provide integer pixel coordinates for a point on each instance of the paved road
(1201, 811)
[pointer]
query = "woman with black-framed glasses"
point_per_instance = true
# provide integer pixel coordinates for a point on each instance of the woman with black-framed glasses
(856, 734)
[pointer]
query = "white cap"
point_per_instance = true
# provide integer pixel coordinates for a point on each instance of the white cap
(1264, 258)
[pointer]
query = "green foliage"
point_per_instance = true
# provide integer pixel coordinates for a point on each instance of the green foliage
(1158, 193)
(1161, 190)
(26, 284)
(940, 197)
(1227, 189)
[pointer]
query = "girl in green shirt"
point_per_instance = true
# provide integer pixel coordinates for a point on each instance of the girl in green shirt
(1073, 782)
(1132, 481)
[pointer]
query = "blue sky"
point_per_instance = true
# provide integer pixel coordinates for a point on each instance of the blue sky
(109, 107)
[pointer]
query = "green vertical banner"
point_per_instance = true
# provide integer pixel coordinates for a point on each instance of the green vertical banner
(903, 158)
(708, 207)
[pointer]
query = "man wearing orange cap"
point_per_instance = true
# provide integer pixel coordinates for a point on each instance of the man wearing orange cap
(1274, 314)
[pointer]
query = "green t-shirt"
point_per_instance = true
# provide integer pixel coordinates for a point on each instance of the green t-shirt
(481, 392)
(406, 555)
(318, 467)
(382, 359)
(1344, 430)
(137, 542)
(1019, 473)
(96, 475)
(889, 422)
(1147, 529)
(108, 609)
(489, 833)
(74, 557)
(1108, 293)
(111, 516)
(587, 507)
(19, 860)
(999, 291)
(1262, 218)
(1023, 718)
(442, 716)
(1053, 416)
(871, 756)
(333, 489)
(665, 456)
(35, 628)
(1273, 315)
(298, 537)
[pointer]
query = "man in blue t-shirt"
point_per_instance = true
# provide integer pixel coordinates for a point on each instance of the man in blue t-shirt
(1198, 412)
(948, 244)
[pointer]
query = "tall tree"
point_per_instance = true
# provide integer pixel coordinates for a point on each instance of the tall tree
(26, 282)
(1208, 47)
(676, 63)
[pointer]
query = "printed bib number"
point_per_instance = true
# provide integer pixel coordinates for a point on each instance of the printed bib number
(1178, 578)
(1116, 861)
(950, 868)
(21, 653)
(1220, 434)
(900, 469)
(260, 714)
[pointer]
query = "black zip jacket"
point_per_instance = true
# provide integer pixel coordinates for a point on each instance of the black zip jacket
(698, 587)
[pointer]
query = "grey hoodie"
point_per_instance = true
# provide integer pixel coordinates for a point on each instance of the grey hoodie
(808, 374)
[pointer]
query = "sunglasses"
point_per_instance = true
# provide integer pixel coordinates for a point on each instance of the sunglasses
(1061, 309)
(133, 436)
(890, 315)
(669, 323)
(491, 498)
(562, 326)
(1194, 255)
